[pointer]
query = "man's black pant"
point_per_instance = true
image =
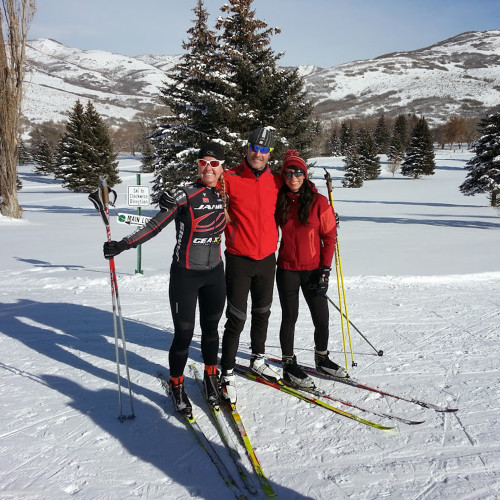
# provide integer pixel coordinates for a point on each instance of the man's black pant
(244, 276)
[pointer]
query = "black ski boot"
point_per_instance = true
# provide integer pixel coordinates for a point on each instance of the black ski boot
(211, 385)
(294, 376)
(179, 396)
(325, 365)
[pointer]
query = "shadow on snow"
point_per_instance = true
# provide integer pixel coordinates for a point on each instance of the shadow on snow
(73, 334)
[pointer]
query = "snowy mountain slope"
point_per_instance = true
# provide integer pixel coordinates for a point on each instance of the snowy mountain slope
(459, 75)
(422, 279)
(119, 86)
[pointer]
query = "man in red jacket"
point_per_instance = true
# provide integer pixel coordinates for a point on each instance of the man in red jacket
(251, 240)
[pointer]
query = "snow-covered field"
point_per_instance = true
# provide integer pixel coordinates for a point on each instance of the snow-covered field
(421, 271)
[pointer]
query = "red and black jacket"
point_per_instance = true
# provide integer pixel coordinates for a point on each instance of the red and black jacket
(199, 222)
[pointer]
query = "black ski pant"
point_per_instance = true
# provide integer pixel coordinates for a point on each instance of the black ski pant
(244, 276)
(289, 283)
(187, 287)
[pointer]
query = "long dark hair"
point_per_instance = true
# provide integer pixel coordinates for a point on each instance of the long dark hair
(306, 197)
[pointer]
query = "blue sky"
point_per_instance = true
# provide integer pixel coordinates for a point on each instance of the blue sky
(319, 32)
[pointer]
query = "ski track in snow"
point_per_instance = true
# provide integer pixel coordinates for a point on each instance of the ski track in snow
(60, 437)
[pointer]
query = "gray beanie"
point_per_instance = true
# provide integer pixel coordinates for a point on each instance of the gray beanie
(262, 136)
(213, 149)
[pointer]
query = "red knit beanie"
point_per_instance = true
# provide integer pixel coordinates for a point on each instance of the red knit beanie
(292, 161)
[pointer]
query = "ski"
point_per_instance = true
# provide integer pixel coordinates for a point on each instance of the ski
(354, 383)
(280, 386)
(204, 442)
(264, 482)
(226, 436)
(322, 394)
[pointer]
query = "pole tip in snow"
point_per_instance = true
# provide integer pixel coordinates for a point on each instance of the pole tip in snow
(380, 353)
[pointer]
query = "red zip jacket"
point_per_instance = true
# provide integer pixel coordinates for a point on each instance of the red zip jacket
(252, 231)
(305, 248)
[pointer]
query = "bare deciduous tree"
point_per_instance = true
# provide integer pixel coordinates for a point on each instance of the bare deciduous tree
(15, 18)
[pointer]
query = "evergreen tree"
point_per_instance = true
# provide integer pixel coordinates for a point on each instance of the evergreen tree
(395, 153)
(484, 167)
(354, 170)
(224, 87)
(399, 140)
(23, 153)
(419, 156)
(199, 99)
(43, 156)
(99, 151)
(148, 158)
(367, 151)
(332, 146)
(71, 149)
(85, 151)
(347, 138)
(265, 95)
(382, 136)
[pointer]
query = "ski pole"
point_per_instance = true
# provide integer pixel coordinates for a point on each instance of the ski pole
(100, 198)
(340, 278)
(379, 352)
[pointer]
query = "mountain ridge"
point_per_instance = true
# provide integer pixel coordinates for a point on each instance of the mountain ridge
(459, 75)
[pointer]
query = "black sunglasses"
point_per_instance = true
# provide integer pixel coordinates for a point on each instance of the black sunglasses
(290, 173)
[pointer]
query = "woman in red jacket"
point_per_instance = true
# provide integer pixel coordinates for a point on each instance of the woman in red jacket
(308, 236)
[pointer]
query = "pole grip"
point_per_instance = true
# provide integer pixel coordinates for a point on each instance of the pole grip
(103, 186)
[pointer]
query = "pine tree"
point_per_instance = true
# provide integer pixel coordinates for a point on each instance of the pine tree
(484, 167)
(396, 154)
(23, 153)
(347, 138)
(399, 140)
(382, 136)
(100, 153)
(43, 156)
(224, 87)
(148, 158)
(71, 151)
(332, 145)
(354, 170)
(265, 95)
(367, 150)
(197, 96)
(85, 151)
(419, 156)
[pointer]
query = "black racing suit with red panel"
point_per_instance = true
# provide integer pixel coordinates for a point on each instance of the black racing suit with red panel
(197, 272)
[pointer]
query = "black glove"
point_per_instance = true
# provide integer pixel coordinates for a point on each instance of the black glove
(337, 219)
(323, 277)
(113, 248)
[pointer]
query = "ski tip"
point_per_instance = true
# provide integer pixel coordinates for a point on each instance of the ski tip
(392, 431)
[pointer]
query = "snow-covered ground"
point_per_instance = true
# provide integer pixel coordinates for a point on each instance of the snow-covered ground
(422, 277)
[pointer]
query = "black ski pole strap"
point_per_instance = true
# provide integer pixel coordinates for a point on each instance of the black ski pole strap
(101, 198)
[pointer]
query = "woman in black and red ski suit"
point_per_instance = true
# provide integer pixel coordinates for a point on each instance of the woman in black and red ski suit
(197, 271)
(308, 237)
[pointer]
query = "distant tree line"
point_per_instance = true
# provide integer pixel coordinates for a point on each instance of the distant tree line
(408, 146)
